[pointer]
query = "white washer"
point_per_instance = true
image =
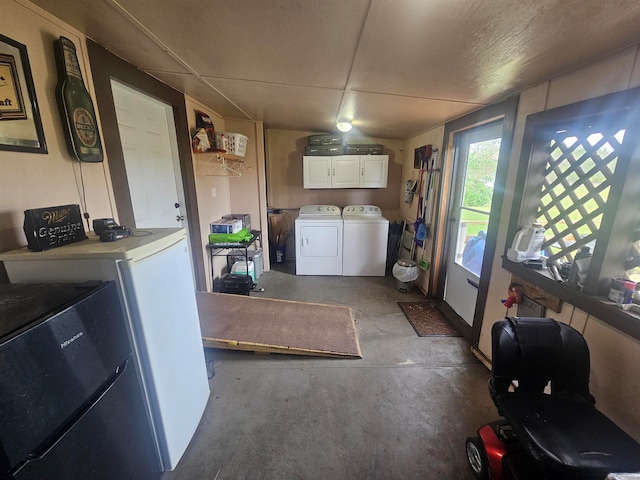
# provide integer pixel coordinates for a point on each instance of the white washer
(319, 240)
(366, 233)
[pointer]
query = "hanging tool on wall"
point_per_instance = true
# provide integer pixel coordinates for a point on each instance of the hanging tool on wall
(419, 227)
(428, 216)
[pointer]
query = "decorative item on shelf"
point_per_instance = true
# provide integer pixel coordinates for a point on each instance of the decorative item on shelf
(51, 227)
(203, 139)
(76, 106)
(20, 125)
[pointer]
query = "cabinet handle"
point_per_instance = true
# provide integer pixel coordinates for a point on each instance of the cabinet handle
(362, 172)
(328, 172)
(334, 172)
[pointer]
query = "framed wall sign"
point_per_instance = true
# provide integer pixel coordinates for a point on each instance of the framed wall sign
(20, 125)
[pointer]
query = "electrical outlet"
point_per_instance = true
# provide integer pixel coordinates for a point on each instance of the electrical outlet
(213, 192)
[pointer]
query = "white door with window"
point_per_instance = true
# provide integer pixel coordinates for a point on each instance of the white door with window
(149, 145)
(475, 172)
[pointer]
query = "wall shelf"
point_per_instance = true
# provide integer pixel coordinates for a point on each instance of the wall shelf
(221, 164)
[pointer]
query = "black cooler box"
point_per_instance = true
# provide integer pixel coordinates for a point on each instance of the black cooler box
(235, 283)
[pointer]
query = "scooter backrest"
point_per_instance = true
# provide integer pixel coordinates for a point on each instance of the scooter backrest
(536, 351)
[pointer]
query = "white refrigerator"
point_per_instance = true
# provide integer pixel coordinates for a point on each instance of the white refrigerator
(155, 281)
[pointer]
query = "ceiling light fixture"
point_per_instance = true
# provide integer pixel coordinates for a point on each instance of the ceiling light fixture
(344, 125)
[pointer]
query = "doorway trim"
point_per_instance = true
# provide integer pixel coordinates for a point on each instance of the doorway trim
(104, 67)
(505, 111)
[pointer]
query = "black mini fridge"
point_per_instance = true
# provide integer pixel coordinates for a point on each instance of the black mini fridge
(71, 405)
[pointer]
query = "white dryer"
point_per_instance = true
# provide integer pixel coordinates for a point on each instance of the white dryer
(318, 239)
(366, 233)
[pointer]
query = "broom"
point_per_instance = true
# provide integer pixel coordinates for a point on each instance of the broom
(424, 264)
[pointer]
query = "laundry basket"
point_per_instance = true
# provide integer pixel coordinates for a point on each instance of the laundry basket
(236, 143)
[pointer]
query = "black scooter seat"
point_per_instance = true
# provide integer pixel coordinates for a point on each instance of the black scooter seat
(571, 437)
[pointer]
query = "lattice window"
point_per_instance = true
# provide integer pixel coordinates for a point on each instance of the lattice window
(578, 177)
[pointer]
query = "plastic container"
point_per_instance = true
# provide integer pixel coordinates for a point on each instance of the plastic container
(233, 143)
(625, 296)
(240, 268)
(527, 244)
(258, 263)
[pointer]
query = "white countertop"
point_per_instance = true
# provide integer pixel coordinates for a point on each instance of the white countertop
(144, 242)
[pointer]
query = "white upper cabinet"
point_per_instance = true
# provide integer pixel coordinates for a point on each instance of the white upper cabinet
(373, 171)
(345, 171)
(317, 172)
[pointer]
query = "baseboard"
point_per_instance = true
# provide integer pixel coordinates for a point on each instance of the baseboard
(480, 356)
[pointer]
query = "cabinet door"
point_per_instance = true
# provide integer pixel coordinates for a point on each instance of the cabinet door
(373, 171)
(346, 171)
(316, 172)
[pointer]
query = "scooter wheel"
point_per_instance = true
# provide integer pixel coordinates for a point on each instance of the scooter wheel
(477, 458)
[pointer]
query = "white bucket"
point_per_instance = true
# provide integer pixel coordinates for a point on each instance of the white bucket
(240, 268)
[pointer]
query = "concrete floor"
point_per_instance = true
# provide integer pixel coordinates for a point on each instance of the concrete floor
(403, 411)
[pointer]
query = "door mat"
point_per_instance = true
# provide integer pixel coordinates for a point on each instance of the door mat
(266, 325)
(427, 320)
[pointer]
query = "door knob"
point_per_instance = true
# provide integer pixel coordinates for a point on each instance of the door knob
(180, 218)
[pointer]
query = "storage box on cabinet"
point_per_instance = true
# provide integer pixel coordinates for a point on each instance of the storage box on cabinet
(345, 171)
(329, 139)
(323, 150)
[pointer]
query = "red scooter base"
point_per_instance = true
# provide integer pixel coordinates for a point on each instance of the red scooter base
(496, 454)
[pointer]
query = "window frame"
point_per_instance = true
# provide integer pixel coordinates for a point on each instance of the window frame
(620, 218)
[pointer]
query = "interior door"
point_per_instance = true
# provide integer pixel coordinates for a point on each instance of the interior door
(148, 137)
(476, 165)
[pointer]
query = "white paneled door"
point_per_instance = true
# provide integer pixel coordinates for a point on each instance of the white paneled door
(148, 137)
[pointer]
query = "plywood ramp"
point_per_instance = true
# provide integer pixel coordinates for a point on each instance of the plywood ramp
(239, 322)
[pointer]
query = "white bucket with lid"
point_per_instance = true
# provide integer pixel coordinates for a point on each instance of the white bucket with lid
(240, 268)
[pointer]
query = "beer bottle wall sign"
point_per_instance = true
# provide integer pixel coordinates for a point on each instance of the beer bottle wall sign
(76, 106)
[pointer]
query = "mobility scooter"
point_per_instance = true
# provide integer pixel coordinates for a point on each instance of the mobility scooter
(551, 428)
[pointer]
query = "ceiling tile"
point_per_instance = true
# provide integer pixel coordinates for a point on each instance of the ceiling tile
(481, 51)
(105, 25)
(279, 41)
(396, 68)
(201, 91)
(391, 116)
(281, 106)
